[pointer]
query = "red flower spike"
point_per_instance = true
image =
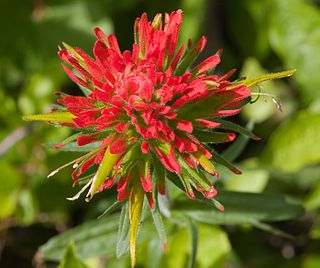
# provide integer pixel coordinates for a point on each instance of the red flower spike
(145, 104)
(136, 98)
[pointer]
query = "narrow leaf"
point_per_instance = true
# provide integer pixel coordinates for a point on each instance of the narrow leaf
(270, 229)
(108, 162)
(241, 207)
(60, 117)
(111, 208)
(74, 147)
(135, 211)
(211, 203)
(228, 125)
(262, 78)
(237, 147)
(123, 232)
(158, 223)
(194, 245)
(211, 136)
(216, 158)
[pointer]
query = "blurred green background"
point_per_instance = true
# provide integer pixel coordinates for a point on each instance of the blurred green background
(257, 37)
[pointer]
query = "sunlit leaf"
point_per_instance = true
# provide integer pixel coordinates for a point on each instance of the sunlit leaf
(61, 117)
(135, 210)
(295, 143)
(106, 166)
(290, 25)
(213, 247)
(262, 78)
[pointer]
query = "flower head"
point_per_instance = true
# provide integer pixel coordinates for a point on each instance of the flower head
(148, 103)
(149, 112)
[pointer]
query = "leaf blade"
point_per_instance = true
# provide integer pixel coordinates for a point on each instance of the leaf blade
(59, 117)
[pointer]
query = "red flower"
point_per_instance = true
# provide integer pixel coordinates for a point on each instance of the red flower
(149, 103)
(150, 114)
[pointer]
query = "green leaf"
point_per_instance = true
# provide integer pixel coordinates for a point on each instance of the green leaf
(194, 14)
(93, 238)
(194, 245)
(311, 261)
(106, 166)
(315, 231)
(60, 117)
(264, 107)
(187, 59)
(201, 108)
(68, 141)
(27, 209)
(237, 147)
(158, 223)
(303, 19)
(250, 15)
(262, 78)
(74, 147)
(110, 209)
(10, 181)
(213, 247)
(270, 229)
(253, 179)
(70, 259)
(294, 144)
(242, 208)
(228, 125)
(135, 211)
(123, 232)
(211, 136)
(313, 199)
(213, 203)
(217, 158)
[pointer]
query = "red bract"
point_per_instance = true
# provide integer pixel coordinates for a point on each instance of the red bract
(149, 103)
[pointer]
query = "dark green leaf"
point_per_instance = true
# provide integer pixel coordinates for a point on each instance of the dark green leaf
(217, 158)
(237, 147)
(95, 238)
(269, 228)
(242, 208)
(211, 136)
(228, 125)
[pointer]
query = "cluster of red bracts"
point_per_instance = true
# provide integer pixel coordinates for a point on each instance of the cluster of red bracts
(143, 98)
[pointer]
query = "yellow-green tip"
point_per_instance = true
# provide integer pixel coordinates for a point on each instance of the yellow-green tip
(60, 117)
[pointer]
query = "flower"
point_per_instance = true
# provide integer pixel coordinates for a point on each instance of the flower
(150, 112)
(144, 104)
